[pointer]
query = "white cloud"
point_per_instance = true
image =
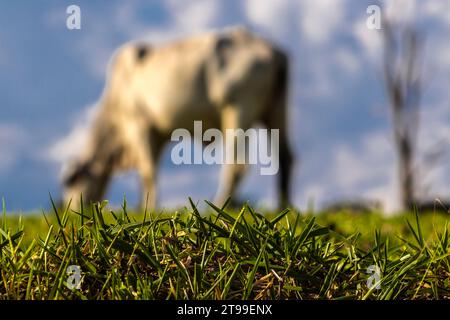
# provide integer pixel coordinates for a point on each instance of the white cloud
(126, 18)
(366, 169)
(194, 15)
(433, 157)
(185, 17)
(367, 161)
(320, 19)
(70, 146)
(437, 9)
(274, 17)
(12, 142)
(317, 20)
(370, 40)
(401, 11)
(347, 60)
(398, 12)
(175, 185)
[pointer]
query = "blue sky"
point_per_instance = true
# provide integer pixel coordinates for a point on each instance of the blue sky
(51, 77)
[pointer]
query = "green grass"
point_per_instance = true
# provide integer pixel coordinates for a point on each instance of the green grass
(223, 254)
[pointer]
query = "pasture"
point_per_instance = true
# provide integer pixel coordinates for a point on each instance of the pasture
(224, 254)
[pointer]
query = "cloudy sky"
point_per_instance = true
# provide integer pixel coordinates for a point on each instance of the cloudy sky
(51, 78)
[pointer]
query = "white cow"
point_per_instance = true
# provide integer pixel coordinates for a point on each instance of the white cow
(229, 79)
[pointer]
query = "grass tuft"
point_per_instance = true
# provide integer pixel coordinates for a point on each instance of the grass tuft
(221, 255)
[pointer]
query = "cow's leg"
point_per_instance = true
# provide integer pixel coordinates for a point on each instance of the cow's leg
(285, 168)
(232, 173)
(277, 120)
(147, 168)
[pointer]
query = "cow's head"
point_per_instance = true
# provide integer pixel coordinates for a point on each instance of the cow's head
(86, 180)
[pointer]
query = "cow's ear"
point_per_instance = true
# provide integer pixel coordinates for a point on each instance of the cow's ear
(142, 51)
(223, 46)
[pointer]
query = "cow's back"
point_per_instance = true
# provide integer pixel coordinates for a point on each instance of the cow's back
(193, 78)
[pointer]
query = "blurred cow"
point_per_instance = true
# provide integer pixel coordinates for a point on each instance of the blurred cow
(228, 79)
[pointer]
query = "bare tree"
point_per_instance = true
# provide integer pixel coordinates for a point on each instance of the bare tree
(402, 71)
